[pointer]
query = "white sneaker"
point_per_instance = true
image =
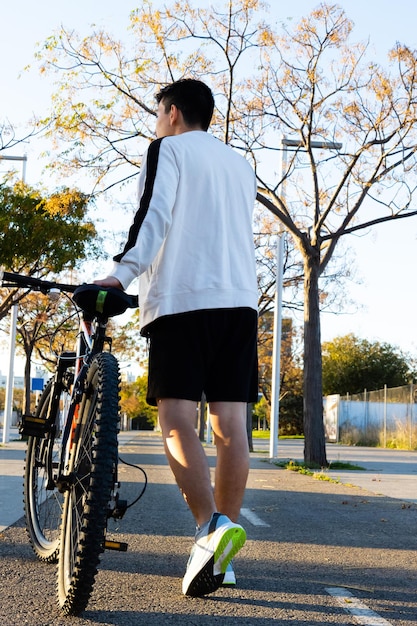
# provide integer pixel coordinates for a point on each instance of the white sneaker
(215, 546)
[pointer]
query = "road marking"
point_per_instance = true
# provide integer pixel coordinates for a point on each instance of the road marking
(253, 518)
(362, 614)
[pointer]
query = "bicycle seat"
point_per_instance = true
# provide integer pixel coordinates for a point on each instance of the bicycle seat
(103, 301)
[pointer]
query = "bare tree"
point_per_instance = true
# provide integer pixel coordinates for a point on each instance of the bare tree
(9, 138)
(323, 90)
(309, 83)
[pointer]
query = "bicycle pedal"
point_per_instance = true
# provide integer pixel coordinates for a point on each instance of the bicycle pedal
(120, 546)
(33, 426)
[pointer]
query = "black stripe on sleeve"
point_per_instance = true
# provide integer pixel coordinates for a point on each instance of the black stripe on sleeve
(151, 167)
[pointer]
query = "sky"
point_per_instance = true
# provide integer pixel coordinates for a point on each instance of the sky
(386, 257)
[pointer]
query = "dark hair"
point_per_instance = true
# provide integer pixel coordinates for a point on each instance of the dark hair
(192, 97)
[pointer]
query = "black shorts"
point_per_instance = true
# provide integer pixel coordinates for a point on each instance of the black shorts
(213, 350)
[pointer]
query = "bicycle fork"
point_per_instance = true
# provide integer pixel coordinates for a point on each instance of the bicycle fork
(116, 510)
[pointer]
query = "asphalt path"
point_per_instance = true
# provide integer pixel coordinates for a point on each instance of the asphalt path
(318, 552)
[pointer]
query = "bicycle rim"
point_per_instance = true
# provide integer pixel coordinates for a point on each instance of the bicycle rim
(92, 462)
(42, 501)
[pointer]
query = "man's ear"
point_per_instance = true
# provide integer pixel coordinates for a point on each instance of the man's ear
(173, 114)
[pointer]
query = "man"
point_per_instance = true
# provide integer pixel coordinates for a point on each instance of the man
(191, 244)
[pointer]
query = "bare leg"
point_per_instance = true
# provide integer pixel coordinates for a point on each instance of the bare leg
(186, 456)
(228, 421)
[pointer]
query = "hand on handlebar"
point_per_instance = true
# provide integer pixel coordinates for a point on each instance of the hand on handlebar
(109, 281)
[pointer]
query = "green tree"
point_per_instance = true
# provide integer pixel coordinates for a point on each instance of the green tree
(42, 234)
(308, 81)
(127, 341)
(133, 403)
(291, 375)
(351, 365)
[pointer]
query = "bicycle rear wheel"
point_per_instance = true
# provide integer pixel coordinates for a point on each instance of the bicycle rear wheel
(42, 501)
(92, 465)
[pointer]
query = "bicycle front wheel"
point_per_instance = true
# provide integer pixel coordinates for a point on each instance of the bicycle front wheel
(42, 500)
(92, 465)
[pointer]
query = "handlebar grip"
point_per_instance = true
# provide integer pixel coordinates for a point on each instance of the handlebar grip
(18, 280)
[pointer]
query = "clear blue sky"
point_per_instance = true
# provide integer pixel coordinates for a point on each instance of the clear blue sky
(386, 257)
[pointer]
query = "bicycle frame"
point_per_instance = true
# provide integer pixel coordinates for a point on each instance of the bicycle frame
(90, 341)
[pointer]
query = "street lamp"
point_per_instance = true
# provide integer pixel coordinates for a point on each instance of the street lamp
(296, 143)
(8, 401)
(23, 158)
(276, 350)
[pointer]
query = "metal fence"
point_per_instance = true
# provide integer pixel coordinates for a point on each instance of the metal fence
(387, 418)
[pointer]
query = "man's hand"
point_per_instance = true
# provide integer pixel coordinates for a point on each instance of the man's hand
(109, 281)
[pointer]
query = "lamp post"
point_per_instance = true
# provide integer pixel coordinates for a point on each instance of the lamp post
(276, 350)
(8, 401)
(23, 159)
(324, 145)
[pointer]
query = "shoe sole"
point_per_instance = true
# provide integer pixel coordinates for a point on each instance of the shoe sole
(211, 575)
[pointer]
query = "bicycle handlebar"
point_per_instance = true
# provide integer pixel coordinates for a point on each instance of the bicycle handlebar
(92, 299)
(9, 279)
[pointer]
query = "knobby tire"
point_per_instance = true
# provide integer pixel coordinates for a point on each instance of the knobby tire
(42, 501)
(92, 464)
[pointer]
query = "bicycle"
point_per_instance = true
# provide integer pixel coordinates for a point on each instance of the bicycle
(71, 487)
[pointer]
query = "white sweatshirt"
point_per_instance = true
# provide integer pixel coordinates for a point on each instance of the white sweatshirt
(191, 242)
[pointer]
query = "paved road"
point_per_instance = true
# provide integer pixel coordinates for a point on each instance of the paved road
(314, 550)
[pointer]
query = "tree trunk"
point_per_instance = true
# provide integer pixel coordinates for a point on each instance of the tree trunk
(314, 443)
